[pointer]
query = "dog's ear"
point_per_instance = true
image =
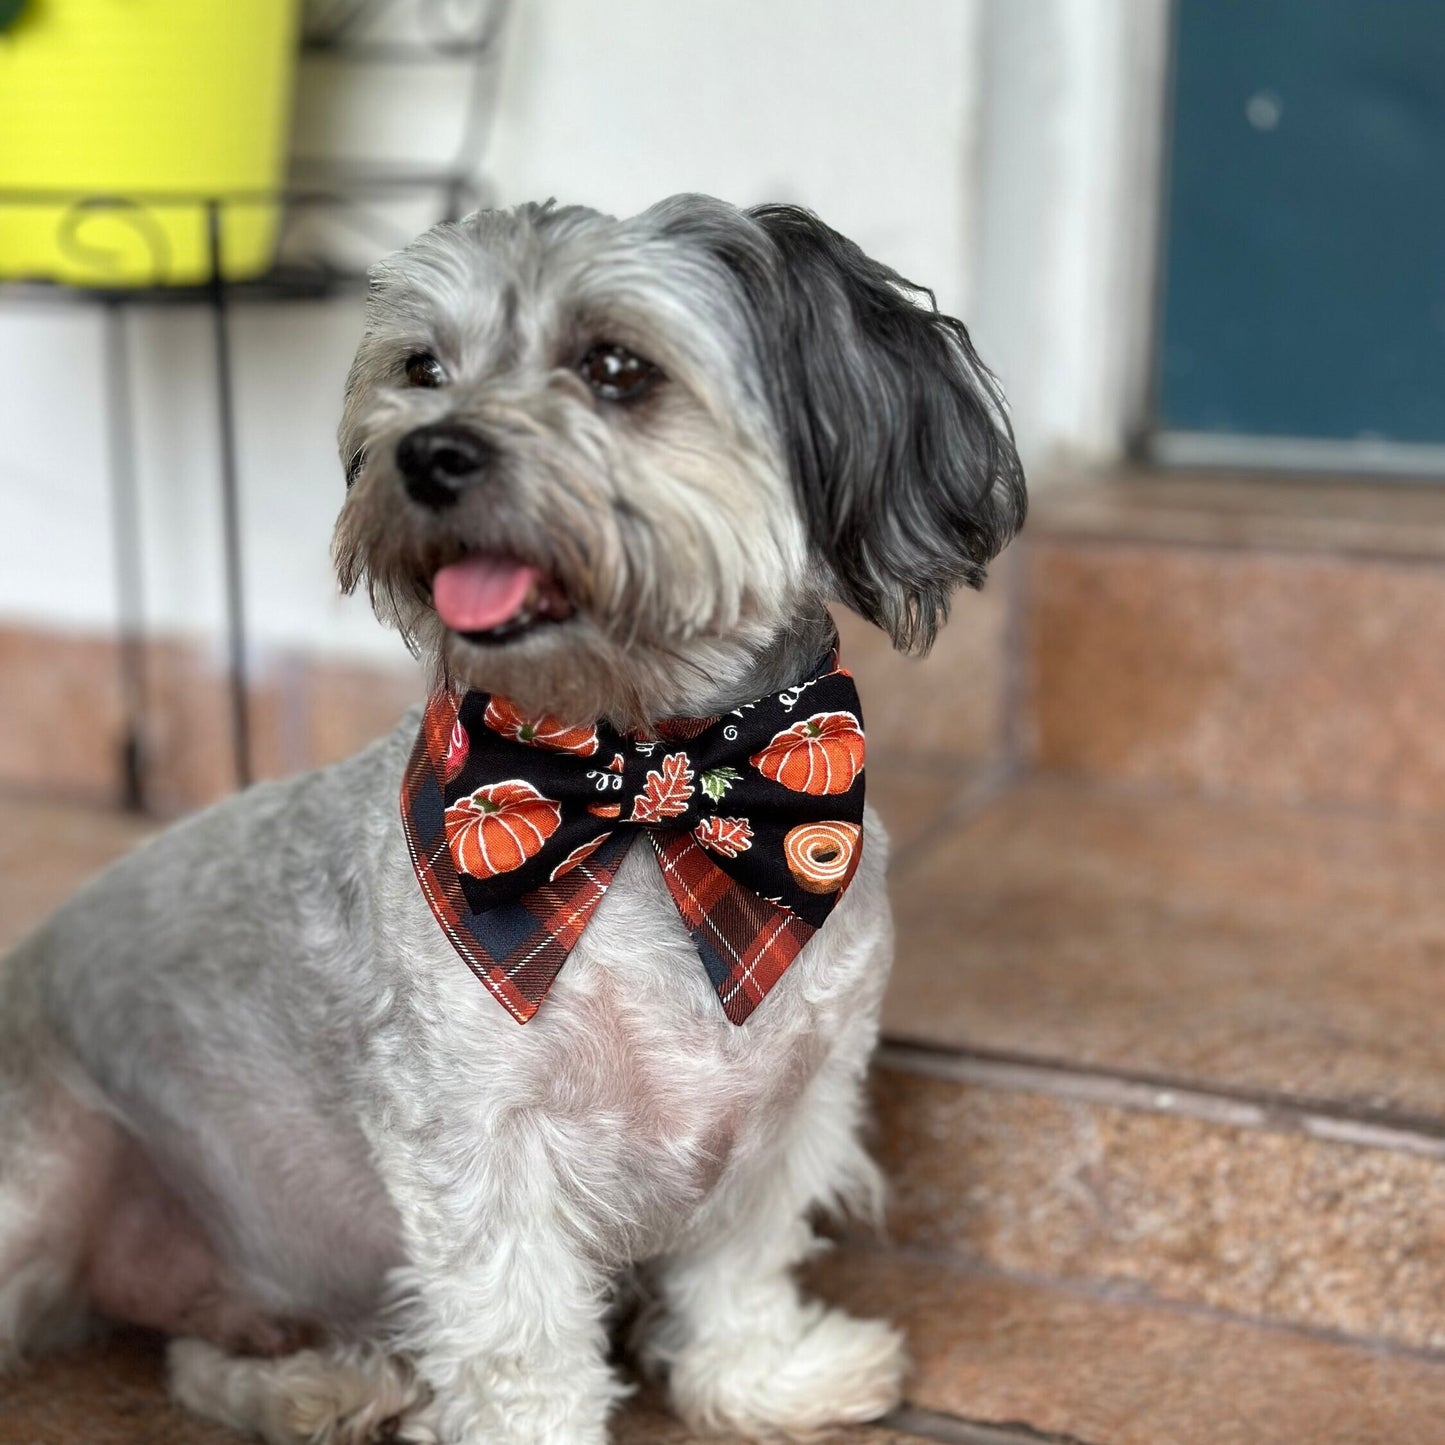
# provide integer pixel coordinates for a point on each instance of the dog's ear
(895, 431)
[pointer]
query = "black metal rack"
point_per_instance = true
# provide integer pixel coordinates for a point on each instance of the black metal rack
(351, 196)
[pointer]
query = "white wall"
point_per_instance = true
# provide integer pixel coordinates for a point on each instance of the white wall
(980, 146)
(55, 550)
(868, 120)
(1069, 147)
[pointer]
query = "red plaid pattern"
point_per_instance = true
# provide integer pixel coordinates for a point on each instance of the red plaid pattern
(552, 917)
(745, 941)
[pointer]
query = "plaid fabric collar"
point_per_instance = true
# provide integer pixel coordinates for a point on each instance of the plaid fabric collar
(517, 826)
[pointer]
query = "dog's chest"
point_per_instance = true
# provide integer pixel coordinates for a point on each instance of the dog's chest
(650, 1101)
(633, 1071)
(693, 1094)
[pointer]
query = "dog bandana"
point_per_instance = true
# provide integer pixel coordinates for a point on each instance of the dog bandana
(517, 825)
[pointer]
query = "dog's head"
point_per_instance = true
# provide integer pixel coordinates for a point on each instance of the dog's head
(618, 468)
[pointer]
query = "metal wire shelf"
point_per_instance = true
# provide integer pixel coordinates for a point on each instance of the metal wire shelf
(345, 205)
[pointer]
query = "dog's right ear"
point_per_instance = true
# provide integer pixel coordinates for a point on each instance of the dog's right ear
(894, 431)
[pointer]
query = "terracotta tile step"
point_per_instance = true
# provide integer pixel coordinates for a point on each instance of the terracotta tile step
(997, 1361)
(1291, 513)
(48, 849)
(304, 710)
(1278, 973)
(1265, 1213)
(1232, 1080)
(308, 709)
(1079, 1366)
(1228, 633)
(1234, 947)
(1290, 676)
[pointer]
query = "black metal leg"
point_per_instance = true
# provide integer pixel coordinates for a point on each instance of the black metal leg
(129, 558)
(230, 506)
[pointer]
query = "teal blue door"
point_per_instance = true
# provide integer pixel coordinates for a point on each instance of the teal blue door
(1303, 276)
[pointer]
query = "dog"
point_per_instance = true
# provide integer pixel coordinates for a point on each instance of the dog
(604, 473)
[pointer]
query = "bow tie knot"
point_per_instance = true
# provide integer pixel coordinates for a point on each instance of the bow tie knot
(517, 824)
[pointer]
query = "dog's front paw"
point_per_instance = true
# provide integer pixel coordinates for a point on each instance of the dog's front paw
(517, 1402)
(835, 1370)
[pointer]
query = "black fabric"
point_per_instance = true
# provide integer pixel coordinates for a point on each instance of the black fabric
(739, 784)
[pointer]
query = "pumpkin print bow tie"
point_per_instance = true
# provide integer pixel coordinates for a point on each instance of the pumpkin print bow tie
(517, 826)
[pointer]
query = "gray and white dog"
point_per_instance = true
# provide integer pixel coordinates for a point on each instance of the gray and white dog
(250, 1096)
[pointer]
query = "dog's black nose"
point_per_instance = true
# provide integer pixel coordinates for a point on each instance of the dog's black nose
(440, 462)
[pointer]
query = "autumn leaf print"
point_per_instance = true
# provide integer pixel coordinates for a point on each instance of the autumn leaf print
(728, 836)
(666, 792)
(716, 781)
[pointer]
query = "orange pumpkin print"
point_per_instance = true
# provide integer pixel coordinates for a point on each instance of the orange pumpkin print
(510, 721)
(500, 826)
(579, 854)
(821, 754)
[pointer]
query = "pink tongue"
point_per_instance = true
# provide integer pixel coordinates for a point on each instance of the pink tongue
(481, 592)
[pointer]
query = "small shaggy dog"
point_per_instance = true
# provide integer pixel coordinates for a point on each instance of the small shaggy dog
(273, 1083)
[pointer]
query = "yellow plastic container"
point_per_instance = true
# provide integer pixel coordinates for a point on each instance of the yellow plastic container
(144, 108)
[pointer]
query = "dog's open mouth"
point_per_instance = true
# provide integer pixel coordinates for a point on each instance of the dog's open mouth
(489, 599)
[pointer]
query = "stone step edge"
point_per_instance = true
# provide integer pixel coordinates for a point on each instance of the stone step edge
(921, 1424)
(1322, 1120)
(1282, 514)
(1097, 1292)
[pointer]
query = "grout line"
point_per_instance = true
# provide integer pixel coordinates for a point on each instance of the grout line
(1272, 549)
(1139, 1296)
(955, 1430)
(1322, 1121)
(1363, 1134)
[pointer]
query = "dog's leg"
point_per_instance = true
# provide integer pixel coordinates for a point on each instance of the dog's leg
(740, 1347)
(512, 1342)
(87, 1228)
(45, 1194)
(56, 1158)
(507, 1307)
(333, 1396)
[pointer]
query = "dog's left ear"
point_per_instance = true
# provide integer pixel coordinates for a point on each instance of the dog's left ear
(895, 431)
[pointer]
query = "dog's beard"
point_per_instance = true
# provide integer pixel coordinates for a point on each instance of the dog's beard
(626, 581)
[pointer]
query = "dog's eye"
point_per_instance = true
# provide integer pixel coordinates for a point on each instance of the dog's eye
(616, 374)
(423, 369)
